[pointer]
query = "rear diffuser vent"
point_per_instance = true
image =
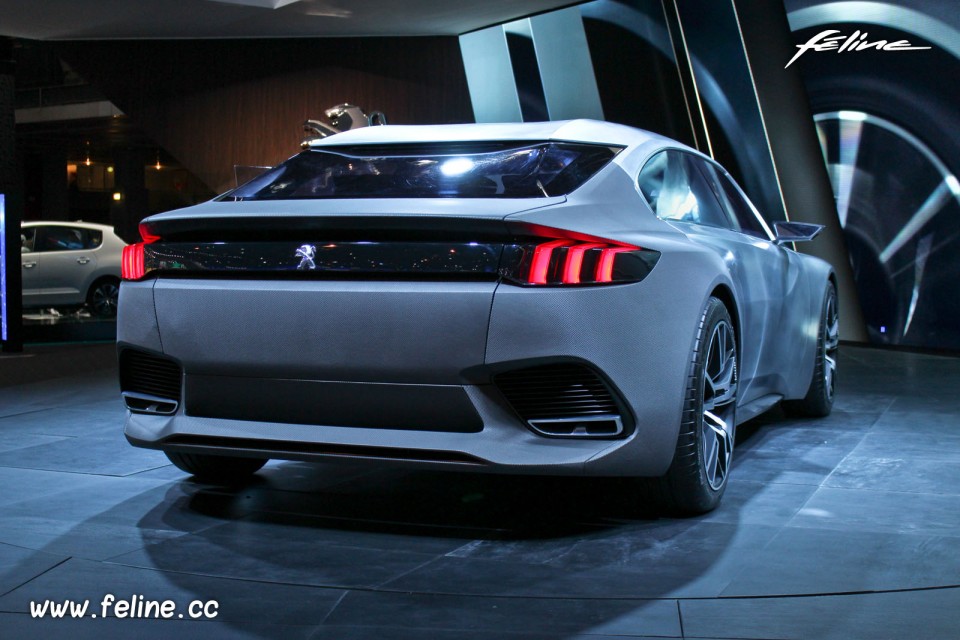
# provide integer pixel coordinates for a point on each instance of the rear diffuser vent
(562, 400)
(149, 383)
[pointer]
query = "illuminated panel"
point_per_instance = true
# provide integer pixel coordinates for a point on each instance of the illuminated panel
(3, 268)
(541, 260)
(132, 265)
(571, 269)
(605, 265)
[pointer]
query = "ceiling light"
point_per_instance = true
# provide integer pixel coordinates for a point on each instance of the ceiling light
(263, 4)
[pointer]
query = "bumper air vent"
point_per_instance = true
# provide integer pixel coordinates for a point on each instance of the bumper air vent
(150, 383)
(563, 401)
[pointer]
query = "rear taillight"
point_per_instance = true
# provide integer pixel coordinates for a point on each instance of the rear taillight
(571, 262)
(133, 266)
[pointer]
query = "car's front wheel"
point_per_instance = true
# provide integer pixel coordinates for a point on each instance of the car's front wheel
(697, 477)
(216, 469)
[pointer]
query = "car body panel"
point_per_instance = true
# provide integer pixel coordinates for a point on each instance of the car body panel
(393, 332)
(65, 273)
(321, 208)
(32, 280)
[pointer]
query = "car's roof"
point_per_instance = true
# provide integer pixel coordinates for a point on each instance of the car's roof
(591, 131)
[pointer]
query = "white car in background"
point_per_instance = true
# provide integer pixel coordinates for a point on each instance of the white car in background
(70, 263)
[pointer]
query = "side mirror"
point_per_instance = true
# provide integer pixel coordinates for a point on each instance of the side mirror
(796, 231)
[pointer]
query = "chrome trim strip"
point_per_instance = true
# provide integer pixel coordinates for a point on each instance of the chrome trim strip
(149, 404)
(537, 425)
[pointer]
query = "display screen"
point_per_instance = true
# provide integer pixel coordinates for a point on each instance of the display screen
(3, 269)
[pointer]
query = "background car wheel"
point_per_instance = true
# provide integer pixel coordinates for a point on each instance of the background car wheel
(102, 297)
(881, 121)
(697, 477)
(216, 469)
(819, 400)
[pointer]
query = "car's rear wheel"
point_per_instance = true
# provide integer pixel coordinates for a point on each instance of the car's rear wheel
(697, 477)
(818, 402)
(216, 469)
(103, 296)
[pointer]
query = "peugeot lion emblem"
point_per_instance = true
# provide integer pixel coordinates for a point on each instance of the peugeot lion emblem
(306, 254)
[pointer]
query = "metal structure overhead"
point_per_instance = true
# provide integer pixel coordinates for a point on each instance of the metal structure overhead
(155, 19)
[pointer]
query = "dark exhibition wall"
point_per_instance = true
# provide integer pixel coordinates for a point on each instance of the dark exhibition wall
(214, 104)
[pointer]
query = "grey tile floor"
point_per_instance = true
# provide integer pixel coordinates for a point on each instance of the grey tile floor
(847, 527)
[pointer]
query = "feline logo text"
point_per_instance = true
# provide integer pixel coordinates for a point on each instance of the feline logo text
(857, 41)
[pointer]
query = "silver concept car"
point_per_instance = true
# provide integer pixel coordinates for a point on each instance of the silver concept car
(562, 298)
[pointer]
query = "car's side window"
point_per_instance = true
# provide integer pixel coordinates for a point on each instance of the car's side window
(711, 213)
(92, 238)
(27, 237)
(676, 190)
(746, 218)
(651, 180)
(58, 238)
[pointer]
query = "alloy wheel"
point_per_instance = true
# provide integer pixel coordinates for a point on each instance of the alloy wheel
(104, 299)
(719, 404)
(831, 342)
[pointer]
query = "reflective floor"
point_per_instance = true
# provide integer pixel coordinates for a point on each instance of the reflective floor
(848, 527)
(66, 324)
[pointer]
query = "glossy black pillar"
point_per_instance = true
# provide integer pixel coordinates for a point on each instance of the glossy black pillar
(55, 193)
(11, 186)
(794, 146)
(133, 205)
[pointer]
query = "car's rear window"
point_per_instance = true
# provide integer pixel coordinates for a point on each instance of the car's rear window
(488, 170)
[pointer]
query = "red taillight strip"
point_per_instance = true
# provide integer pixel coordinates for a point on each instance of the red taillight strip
(604, 271)
(546, 261)
(574, 262)
(146, 235)
(541, 260)
(132, 265)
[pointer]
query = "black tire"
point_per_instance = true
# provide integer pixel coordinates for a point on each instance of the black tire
(697, 477)
(103, 296)
(818, 402)
(216, 469)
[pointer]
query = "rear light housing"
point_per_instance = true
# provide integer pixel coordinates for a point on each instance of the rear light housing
(133, 265)
(587, 261)
(526, 255)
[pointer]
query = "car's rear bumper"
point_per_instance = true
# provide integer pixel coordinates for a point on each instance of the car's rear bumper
(404, 372)
(503, 445)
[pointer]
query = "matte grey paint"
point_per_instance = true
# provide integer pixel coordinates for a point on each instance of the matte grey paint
(404, 332)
